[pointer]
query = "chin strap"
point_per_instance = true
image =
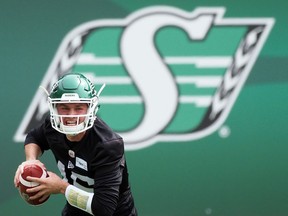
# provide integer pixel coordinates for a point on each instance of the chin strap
(70, 130)
(79, 198)
(45, 90)
(101, 89)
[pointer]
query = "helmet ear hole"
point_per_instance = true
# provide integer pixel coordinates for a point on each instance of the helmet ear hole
(54, 88)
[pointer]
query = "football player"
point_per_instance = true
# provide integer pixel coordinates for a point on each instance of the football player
(89, 155)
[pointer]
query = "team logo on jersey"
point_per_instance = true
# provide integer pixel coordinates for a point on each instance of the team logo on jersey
(70, 165)
(171, 75)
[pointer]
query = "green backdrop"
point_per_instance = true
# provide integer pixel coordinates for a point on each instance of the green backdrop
(244, 174)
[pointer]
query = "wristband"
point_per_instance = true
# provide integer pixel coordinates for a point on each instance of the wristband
(79, 198)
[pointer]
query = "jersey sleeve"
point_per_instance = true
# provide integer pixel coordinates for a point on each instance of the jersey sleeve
(108, 177)
(37, 136)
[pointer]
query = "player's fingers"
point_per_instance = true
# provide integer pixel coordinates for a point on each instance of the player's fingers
(38, 162)
(43, 198)
(38, 192)
(17, 174)
(32, 190)
(34, 179)
(16, 181)
(36, 189)
(35, 196)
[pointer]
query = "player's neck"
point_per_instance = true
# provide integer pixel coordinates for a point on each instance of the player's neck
(76, 138)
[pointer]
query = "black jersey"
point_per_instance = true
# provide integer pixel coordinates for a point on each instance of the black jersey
(95, 164)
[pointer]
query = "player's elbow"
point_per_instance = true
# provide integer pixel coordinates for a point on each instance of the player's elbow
(102, 211)
(104, 205)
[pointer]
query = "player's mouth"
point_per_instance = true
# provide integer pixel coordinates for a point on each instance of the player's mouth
(71, 123)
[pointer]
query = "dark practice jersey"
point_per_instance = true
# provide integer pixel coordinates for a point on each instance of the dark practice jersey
(95, 164)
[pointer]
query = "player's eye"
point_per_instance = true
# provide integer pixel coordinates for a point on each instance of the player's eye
(64, 108)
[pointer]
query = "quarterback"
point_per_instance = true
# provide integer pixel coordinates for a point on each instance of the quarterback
(89, 154)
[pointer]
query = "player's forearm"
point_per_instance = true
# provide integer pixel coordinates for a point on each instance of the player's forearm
(32, 151)
(79, 198)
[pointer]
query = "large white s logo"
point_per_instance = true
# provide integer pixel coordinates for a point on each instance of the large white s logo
(150, 74)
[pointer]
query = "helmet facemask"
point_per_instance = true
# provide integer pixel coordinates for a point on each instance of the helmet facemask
(58, 122)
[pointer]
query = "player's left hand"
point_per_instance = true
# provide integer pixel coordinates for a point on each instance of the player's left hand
(47, 186)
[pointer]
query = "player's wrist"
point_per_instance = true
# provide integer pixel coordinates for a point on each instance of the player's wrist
(31, 159)
(64, 187)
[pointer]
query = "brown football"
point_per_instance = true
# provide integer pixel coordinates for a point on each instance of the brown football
(33, 171)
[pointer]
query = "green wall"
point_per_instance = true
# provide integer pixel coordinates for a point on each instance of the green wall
(244, 174)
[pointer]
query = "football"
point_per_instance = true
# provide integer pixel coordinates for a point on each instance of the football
(32, 170)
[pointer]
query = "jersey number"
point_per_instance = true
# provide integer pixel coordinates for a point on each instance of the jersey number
(74, 176)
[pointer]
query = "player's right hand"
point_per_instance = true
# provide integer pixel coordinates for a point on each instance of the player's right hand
(20, 168)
